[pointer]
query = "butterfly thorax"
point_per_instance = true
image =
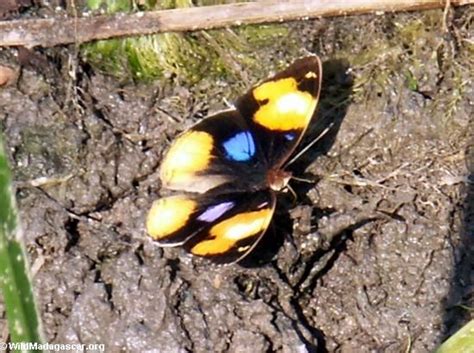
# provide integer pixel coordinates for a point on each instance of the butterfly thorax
(278, 179)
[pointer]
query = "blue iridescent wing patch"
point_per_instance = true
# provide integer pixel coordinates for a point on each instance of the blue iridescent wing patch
(240, 147)
(215, 211)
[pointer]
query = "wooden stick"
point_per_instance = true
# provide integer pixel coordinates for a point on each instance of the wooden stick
(49, 32)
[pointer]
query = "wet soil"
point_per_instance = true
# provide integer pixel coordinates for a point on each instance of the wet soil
(374, 256)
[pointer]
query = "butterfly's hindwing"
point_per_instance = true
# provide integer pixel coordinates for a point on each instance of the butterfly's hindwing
(233, 236)
(223, 228)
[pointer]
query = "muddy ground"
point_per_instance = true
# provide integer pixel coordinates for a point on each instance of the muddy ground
(375, 255)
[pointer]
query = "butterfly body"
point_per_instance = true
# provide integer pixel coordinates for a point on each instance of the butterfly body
(228, 167)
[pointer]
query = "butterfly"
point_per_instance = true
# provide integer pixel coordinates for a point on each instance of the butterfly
(228, 167)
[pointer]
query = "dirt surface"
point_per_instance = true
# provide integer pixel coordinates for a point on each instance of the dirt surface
(375, 255)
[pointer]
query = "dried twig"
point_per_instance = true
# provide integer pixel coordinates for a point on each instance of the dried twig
(54, 31)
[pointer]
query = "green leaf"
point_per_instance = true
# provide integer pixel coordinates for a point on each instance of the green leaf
(15, 281)
(461, 342)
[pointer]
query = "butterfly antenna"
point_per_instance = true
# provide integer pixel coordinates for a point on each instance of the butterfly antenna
(295, 197)
(311, 144)
(303, 180)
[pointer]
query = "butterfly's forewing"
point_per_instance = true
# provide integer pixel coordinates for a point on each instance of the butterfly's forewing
(223, 228)
(218, 150)
(279, 109)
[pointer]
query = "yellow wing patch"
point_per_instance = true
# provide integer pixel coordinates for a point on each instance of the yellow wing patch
(168, 215)
(284, 107)
(227, 233)
(189, 154)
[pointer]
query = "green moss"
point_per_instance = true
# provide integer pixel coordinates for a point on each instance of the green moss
(111, 6)
(412, 83)
(413, 52)
(398, 49)
(189, 57)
